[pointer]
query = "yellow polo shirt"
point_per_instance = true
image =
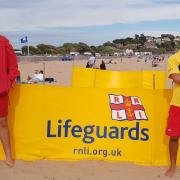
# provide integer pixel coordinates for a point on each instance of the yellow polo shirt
(173, 63)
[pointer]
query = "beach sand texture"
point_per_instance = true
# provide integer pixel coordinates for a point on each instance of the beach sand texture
(82, 170)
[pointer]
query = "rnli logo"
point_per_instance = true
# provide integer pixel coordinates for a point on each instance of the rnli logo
(126, 108)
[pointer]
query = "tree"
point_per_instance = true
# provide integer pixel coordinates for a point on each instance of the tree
(82, 47)
(108, 44)
(24, 50)
(119, 41)
(142, 39)
(169, 46)
(46, 49)
(93, 49)
(170, 36)
(136, 37)
(106, 50)
(68, 47)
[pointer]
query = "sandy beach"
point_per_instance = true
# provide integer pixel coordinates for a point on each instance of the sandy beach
(81, 170)
(61, 71)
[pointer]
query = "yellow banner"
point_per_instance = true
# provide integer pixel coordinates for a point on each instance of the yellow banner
(49, 122)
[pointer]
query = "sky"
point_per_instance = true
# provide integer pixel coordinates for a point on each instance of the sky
(91, 21)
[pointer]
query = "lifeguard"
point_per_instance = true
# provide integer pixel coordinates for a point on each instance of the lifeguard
(8, 73)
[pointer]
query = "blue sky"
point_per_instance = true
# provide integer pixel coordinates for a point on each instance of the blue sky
(93, 22)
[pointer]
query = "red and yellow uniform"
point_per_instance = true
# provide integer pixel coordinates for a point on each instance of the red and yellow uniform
(173, 127)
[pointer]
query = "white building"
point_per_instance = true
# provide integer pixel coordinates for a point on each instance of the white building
(158, 40)
(74, 53)
(117, 54)
(87, 53)
(18, 52)
(129, 52)
(97, 54)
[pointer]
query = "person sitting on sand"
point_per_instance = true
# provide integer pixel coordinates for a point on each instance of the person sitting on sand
(103, 65)
(88, 65)
(38, 77)
(112, 62)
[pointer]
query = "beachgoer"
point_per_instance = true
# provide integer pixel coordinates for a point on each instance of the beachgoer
(8, 73)
(18, 78)
(38, 77)
(154, 63)
(88, 65)
(92, 61)
(103, 65)
(173, 124)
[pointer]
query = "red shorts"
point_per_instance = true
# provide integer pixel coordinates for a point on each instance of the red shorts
(4, 105)
(173, 124)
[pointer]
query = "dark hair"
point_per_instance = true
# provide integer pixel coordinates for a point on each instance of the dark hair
(179, 67)
(41, 72)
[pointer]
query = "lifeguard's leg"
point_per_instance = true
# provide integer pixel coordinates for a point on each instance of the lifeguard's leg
(173, 149)
(5, 139)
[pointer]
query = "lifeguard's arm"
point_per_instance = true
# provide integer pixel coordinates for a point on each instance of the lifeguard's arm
(173, 69)
(12, 64)
(175, 77)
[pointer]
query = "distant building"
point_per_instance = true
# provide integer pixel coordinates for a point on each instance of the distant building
(158, 40)
(149, 39)
(166, 39)
(97, 54)
(177, 39)
(129, 52)
(143, 53)
(74, 53)
(148, 53)
(150, 44)
(18, 52)
(87, 53)
(116, 54)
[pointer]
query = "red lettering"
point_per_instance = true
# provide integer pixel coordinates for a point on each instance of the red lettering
(118, 115)
(116, 99)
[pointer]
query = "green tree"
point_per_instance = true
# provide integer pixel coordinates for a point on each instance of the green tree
(24, 50)
(82, 47)
(119, 41)
(170, 36)
(142, 39)
(169, 46)
(46, 49)
(106, 50)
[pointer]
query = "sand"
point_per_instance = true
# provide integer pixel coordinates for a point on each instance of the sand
(62, 71)
(81, 170)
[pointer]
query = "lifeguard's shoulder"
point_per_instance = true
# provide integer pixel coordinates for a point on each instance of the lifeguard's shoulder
(174, 57)
(4, 40)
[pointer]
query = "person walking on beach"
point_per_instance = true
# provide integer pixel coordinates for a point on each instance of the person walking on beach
(8, 73)
(173, 124)
(92, 61)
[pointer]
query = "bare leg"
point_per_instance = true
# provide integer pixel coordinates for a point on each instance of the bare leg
(4, 136)
(173, 149)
